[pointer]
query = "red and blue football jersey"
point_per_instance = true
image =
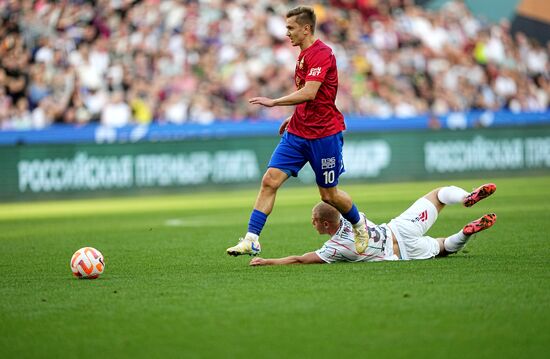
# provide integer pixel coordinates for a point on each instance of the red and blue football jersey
(319, 117)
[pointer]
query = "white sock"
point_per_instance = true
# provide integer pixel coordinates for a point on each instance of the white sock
(252, 237)
(455, 242)
(361, 224)
(451, 195)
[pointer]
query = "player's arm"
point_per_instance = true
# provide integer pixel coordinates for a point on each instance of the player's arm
(308, 258)
(306, 93)
(284, 125)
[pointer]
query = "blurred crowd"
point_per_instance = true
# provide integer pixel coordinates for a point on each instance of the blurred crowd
(118, 62)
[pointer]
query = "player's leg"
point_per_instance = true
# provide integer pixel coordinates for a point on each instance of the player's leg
(454, 194)
(457, 241)
(411, 226)
(341, 201)
(433, 197)
(450, 195)
(344, 204)
(285, 161)
(325, 158)
(336, 198)
(414, 223)
(271, 182)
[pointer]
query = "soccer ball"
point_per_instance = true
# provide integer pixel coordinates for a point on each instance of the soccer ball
(88, 263)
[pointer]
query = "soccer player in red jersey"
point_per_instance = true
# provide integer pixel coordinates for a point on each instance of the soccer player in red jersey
(312, 134)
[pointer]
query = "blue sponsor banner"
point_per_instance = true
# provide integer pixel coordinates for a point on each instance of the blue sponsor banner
(93, 133)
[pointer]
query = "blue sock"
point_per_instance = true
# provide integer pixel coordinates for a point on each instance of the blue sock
(256, 222)
(353, 215)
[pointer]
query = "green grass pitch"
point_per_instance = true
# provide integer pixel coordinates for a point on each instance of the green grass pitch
(169, 290)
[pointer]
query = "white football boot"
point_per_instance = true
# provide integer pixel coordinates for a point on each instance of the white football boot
(245, 246)
(361, 236)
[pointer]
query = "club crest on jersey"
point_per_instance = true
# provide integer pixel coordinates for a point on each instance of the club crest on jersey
(315, 71)
(422, 217)
(301, 64)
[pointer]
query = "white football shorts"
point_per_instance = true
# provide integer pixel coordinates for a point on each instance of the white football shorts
(410, 228)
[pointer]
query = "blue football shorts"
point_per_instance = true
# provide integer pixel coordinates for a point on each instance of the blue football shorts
(323, 154)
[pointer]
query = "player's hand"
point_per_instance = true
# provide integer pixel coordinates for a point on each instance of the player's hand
(257, 261)
(264, 101)
(283, 126)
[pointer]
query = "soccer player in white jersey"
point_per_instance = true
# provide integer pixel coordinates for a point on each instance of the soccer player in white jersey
(402, 238)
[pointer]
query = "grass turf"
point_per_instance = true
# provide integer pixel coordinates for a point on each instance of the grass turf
(169, 290)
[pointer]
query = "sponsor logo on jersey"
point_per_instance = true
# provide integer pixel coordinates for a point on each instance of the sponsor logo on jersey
(422, 217)
(316, 71)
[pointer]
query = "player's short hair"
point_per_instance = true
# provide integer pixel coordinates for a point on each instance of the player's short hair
(325, 212)
(305, 15)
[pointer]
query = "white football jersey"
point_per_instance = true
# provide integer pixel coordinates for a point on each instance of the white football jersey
(341, 246)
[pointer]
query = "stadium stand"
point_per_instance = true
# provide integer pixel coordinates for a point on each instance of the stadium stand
(139, 62)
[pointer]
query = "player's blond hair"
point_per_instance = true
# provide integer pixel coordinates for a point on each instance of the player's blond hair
(325, 212)
(305, 15)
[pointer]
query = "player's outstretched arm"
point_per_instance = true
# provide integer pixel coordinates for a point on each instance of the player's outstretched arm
(306, 93)
(308, 258)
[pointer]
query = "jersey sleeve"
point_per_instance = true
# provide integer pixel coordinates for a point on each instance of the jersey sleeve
(328, 254)
(318, 65)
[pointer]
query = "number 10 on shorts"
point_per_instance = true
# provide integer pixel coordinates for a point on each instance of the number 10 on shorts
(329, 176)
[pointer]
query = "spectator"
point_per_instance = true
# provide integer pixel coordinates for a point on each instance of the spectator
(44, 114)
(116, 113)
(175, 109)
(21, 118)
(5, 106)
(201, 110)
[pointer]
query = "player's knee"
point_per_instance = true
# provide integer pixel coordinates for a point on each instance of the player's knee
(271, 182)
(432, 193)
(433, 197)
(328, 198)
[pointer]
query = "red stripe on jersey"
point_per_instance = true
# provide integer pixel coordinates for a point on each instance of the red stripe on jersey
(353, 250)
